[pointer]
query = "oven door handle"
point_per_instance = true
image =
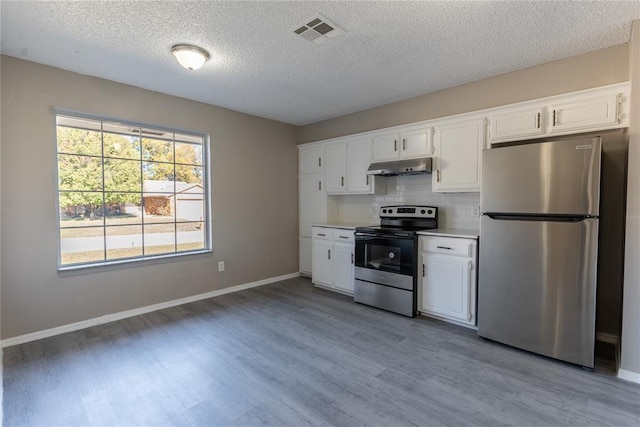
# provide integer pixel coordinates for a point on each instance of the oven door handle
(364, 236)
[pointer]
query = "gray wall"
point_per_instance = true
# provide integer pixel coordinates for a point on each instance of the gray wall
(630, 358)
(598, 68)
(254, 186)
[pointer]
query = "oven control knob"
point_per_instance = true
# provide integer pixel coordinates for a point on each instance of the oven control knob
(430, 211)
(384, 211)
(392, 255)
(422, 211)
(390, 210)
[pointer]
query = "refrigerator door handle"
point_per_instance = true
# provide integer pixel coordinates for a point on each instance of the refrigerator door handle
(529, 217)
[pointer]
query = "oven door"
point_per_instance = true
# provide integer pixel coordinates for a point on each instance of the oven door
(386, 253)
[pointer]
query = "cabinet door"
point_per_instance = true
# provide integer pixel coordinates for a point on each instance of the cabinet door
(585, 114)
(416, 143)
(305, 255)
(312, 202)
(343, 266)
(446, 286)
(512, 125)
(322, 269)
(358, 161)
(459, 156)
(386, 147)
(335, 176)
(310, 160)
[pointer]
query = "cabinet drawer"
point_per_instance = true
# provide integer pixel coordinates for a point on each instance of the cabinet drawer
(345, 236)
(448, 246)
(322, 233)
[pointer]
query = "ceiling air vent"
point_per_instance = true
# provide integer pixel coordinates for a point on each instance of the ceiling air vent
(318, 30)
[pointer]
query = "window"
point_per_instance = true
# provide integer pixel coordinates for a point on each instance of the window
(129, 192)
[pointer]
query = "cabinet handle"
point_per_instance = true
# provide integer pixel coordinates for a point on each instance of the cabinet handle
(351, 258)
(404, 144)
(395, 145)
(437, 175)
(367, 179)
(328, 253)
(555, 122)
(444, 247)
(319, 185)
(424, 269)
(343, 237)
(342, 181)
(619, 107)
(539, 120)
(319, 162)
(323, 235)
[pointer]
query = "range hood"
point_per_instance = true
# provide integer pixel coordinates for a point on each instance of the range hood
(401, 167)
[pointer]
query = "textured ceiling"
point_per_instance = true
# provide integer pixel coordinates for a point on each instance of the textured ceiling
(391, 50)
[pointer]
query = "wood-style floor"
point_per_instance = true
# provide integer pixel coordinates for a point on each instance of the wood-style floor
(289, 354)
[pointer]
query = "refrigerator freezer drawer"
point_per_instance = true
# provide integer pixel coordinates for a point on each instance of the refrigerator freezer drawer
(537, 286)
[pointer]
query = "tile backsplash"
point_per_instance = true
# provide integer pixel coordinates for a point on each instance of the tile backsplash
(455, 210)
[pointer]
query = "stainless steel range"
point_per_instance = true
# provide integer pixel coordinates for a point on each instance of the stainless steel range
(386, 258)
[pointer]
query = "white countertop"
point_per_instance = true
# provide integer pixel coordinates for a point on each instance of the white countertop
(444, 232)
(451, 232)
(344, 225)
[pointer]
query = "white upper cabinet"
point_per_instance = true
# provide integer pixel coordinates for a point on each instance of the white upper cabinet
(347, 162)
(336, 167)
(406, 143)
(584, 111)
(585, 114)
(385, 147)
(311, 159)
(512, 125)
(358, 161)
(458, 155)
(416, 142)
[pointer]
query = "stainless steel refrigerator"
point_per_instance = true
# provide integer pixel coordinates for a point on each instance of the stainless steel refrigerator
(539, 247)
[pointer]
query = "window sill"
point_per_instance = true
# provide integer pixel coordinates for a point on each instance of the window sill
(74, 270)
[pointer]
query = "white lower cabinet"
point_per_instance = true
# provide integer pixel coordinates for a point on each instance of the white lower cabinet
(447, 279)
(322, 268)
(343, 266)
(333, 257)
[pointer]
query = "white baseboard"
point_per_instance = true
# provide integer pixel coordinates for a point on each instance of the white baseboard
(21, 339)
(629, 376)
(607, 338)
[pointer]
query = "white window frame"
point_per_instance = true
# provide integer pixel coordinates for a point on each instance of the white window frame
(206, 182)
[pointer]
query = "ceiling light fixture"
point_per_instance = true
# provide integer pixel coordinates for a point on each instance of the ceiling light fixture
(189, 56)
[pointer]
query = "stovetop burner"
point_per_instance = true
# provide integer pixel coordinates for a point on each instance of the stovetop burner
(405, 219)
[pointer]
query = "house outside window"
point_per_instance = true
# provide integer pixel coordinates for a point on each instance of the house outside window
(128, 192)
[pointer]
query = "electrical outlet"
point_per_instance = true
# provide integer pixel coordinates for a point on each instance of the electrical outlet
(476, 211)
(221, 266)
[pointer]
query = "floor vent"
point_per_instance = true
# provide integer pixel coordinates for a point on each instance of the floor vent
(318, 30)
